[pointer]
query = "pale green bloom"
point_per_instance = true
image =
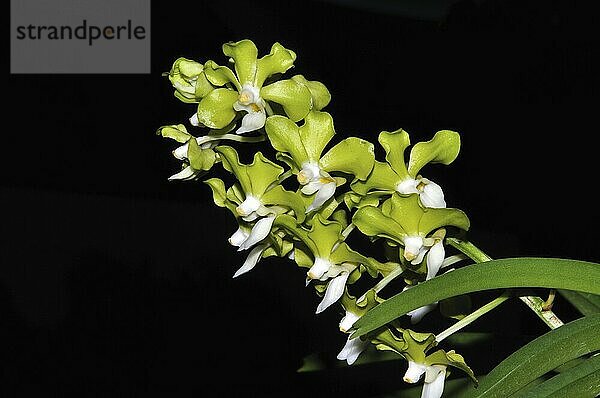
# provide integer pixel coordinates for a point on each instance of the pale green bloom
(188, 79)
(398, 175)
(301, 147)
(246, 91)
(403, 220)
(196, 154)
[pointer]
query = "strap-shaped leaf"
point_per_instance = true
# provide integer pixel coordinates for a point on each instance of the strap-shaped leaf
(540, 356)
(581, 381)
(495, 274)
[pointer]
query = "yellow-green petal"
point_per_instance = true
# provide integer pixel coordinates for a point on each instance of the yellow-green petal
(442, 148)
(216, 109)
(200, 159)
(285, 137)
(220, 75)
(231, 162)
(279, 60)
(372, 222)
(325, 235)
(292, 96)
(263, 173)
(315, 133)
(395, 143)
(352, 155)
(319, 93)
(177, 132)
(289, 199)
(382, 177)
(244, 54)
(433, 219)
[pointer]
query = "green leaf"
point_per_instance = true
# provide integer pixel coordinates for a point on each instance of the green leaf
(352, 155)
(244, 54)
(279, 60)
(177, 132)
(216, 109)
(442, 148)
(295, 98)
(540, 356)
(495, 274)
(582, 381)
(585, 303)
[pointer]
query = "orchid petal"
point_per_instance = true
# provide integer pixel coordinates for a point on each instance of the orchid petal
(414, 372)
(252, 259)
(252, 121)
(432, 196)
(238, 237)
(335, 290)
(187, 173)
(260, 230)
(323, 194)
(435, 258)
(434, 388)
(352, 349)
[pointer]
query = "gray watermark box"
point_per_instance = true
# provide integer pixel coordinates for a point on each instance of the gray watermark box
(80, 36)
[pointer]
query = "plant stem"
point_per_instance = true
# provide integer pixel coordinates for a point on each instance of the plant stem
(472, 317)
(534, 303)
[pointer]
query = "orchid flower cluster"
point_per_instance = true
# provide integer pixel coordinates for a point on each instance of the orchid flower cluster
(303, 203)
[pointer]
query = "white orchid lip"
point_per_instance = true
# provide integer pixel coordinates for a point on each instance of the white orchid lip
(249, 94)
(249, 205)
(347, 321)
(412, 247)
(335, 290)
(352, 349)
(238, 237)
(414, 372)
(308, 173)
(319, 268)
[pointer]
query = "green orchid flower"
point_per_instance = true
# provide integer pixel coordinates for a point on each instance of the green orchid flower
(326, 255)
(259, 235)
(260, 196)
(247, 89)
(404, 221)
(434, 367)
(397, 175)
(302, 147)
(196, 153)
(188, 79)
(355, 308)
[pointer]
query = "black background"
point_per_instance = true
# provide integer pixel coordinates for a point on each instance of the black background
(114, 281)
